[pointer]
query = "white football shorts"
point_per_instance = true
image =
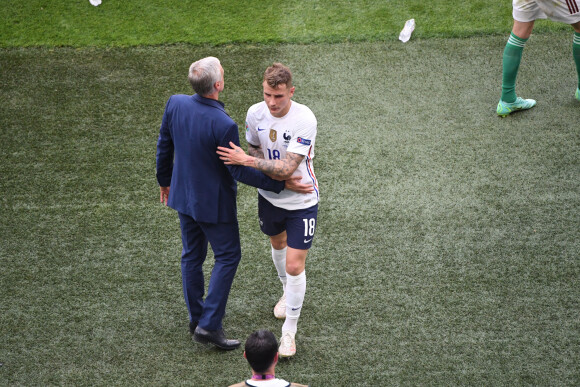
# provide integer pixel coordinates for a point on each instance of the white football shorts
(565, 11)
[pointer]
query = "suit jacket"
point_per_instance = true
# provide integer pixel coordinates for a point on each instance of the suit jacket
(202, 186)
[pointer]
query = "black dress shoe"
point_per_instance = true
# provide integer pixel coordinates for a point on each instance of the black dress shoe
(217, 338)
(192, 326)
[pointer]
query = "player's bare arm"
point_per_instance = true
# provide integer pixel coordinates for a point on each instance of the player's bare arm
(255, 151)
(280, 169)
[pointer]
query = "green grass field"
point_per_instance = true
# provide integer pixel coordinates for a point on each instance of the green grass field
(134, 23)
(448, 238)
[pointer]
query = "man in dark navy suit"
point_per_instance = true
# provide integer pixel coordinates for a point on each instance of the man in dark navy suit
(195, 183)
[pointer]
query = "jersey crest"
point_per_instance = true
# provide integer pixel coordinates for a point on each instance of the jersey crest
(273, 135)
(287, 137)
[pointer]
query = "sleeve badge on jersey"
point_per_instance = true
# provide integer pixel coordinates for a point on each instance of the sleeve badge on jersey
(302, 141)
(247, 126)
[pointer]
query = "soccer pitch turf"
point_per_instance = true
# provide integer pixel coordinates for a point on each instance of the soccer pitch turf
(447, 245)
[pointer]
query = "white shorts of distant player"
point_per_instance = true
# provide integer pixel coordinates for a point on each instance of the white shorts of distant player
(565, 11)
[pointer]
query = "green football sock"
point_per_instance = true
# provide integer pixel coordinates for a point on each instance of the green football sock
(576, 53)
(512, 56)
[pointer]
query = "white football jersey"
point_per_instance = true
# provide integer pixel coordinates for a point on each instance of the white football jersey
(268, 383)
(296, 133)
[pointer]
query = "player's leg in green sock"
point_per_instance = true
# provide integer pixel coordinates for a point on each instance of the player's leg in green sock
(576, 53)
(512, 56)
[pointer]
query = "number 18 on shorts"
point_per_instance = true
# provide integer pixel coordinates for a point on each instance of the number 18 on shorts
(299, 225)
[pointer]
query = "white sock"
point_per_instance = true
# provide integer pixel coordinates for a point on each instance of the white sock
(295, 290)
(279, 258)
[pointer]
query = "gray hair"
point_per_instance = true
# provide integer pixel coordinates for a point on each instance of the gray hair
(203, 75)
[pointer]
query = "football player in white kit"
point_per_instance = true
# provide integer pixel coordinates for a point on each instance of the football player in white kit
(281, 134)
(525, 12)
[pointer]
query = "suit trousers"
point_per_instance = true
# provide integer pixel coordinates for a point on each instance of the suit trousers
(224, 239)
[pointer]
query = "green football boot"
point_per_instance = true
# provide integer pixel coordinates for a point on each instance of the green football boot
(505, 108)
(577, 95)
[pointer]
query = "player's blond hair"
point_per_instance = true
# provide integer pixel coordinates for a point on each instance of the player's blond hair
(203, 75)
(278, 74)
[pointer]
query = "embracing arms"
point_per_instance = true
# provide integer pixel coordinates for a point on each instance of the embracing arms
(277, 169)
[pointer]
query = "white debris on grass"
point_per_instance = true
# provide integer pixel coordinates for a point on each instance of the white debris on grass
(405, 34)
